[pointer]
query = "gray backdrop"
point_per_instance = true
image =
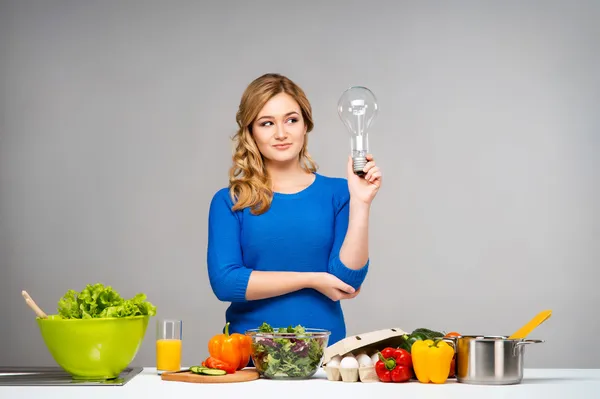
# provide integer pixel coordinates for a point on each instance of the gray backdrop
(115, 119)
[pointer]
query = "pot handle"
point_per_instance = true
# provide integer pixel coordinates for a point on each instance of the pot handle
(529, 341)
(519, 344)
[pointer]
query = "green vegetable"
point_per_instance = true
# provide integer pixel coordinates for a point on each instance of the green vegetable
(429, 333)
(287, 357)
(197, 369)
(206, 370)
(98, 301)
(420, 334)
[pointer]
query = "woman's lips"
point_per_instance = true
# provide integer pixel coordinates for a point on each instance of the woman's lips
(282, 147)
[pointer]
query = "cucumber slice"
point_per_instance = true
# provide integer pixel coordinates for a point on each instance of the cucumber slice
(197, 369)
(213, 372)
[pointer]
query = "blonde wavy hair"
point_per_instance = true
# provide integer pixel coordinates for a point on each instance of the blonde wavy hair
(249, 182)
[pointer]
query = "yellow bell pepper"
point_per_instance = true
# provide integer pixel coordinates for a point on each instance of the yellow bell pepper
(432, 360)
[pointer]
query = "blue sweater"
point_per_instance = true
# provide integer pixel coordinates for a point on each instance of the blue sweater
(301, 232)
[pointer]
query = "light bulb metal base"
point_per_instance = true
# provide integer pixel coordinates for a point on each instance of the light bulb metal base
(358, 164)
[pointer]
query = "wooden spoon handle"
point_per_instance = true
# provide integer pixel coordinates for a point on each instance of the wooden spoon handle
(531, 325)
(29, 301)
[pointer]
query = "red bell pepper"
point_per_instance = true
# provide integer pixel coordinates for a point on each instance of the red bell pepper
(394, 365)
(214, 363)
(452, 372)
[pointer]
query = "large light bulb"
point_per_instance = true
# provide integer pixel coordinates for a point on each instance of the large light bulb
(357, 108)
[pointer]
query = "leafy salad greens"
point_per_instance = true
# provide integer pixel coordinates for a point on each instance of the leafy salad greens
(285, 357)
(99, 301)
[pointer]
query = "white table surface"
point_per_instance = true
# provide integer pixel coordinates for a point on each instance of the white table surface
(537, 383)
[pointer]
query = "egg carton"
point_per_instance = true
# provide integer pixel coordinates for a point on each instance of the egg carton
(341, 372)
(355, 374)
(353, 358)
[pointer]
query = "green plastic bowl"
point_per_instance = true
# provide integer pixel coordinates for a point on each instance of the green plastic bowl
(95, 349)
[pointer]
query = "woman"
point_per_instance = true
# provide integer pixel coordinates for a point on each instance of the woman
(286, 244)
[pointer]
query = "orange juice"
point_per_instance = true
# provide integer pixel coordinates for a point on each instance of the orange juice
(168, 354)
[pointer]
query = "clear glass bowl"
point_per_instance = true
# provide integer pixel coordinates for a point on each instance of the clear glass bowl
(289, 356)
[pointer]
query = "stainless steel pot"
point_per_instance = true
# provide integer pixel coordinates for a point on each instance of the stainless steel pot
(490, 360)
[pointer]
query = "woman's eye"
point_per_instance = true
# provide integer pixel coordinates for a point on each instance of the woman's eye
(269, 123)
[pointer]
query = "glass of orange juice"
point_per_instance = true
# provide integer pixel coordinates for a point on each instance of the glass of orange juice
(168, 345)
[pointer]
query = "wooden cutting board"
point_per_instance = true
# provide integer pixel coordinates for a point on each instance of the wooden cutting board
(248, 374)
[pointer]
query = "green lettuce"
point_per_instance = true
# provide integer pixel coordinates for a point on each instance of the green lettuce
(99, 301)
(294, 356)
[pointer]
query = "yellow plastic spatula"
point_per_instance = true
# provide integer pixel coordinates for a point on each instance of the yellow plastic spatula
(531, 325)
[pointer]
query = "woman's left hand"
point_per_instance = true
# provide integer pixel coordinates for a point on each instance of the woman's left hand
(364, 188)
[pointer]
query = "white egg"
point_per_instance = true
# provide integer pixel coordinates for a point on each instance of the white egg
(364, 360)
(349, 362)
(375, 357)
(335, 361)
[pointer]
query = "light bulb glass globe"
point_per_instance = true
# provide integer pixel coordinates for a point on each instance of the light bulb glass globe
(358, 108)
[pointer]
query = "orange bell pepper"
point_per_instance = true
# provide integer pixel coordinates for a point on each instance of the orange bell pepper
(233, 349)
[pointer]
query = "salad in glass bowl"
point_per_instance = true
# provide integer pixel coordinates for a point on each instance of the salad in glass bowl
(287, 352)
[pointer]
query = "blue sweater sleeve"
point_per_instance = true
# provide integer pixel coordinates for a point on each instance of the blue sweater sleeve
(227, 275)
(351, 277)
